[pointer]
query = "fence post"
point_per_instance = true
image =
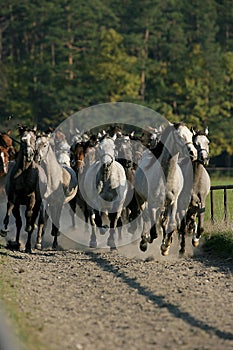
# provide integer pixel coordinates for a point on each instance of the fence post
(212, 205)
(225, 204)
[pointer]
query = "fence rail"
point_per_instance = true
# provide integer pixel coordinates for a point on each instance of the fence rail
(215, 188)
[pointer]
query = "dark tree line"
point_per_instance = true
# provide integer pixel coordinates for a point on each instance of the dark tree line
(176, 57)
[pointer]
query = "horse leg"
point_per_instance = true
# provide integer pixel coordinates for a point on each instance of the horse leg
(200, 227)
(145, 234)
(154, 219)
(134, 213)
(15, 245)
(35, 212)
(42, 221)
(168, 231)
(182, 234)
(119, 227)
(29, 213)
(113, 217)
(4, 230)
(55, 213)
(93, 242)
(73, 203)
(55, 234)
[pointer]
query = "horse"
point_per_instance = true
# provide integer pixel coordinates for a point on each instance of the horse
(201, 188)
(7, 152)
(124, 155)
(61, 184)
(104, 189)
(159, 181)
(82, 156)
(25, 185)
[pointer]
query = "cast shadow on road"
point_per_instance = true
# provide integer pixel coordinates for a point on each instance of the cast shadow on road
(160, 301)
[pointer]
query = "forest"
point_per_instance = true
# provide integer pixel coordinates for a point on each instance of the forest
(58, 57)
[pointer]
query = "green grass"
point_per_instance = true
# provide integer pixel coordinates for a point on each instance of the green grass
(218, 200)
(219, 236)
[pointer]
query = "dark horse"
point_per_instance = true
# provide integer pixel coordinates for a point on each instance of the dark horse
(82, 156)
(25, 184)
(125, 156)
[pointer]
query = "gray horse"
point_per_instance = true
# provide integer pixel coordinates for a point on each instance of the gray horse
(159, 181)
(104, 189)
(201, 188)
(61, 184)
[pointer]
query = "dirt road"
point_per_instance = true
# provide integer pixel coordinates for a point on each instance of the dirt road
(105, 300)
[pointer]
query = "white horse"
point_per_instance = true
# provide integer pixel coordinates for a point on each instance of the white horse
(159, 181)
(61, 184)
(104, 189)
(201, 188)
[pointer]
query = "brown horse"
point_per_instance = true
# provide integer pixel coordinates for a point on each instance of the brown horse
(82, 156)
(26, 182)
(7, 152)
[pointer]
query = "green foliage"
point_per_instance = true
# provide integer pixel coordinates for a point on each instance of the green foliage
(58, 57)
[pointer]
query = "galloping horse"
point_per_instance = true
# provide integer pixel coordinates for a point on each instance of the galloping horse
(159, 182)
(124, 155)
(26, 183)
(104, 189)
(61, 183)
(201, 188)
(7, 152)
(82, 156)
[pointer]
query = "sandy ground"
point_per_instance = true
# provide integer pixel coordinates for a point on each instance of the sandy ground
(110, 300)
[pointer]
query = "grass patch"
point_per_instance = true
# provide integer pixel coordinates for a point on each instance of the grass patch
(219, 201)
(220, 243)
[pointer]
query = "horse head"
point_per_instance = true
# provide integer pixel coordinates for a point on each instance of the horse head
(124, 151)
(78, 157)
(201, 142)
(106, 151)
(28, 143)
(42, 147)
(186, 139)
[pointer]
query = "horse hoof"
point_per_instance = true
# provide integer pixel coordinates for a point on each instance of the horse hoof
(38, 246)
(181, 252)
(28, 250)
(143, 245)
(164, 250)
(195, 242)
(92, 244)
(111, 244)
(12, 245)
(3, 232)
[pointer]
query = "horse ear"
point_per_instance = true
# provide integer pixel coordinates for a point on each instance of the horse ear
(206, 131)
(193, 131)
(34, 128)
